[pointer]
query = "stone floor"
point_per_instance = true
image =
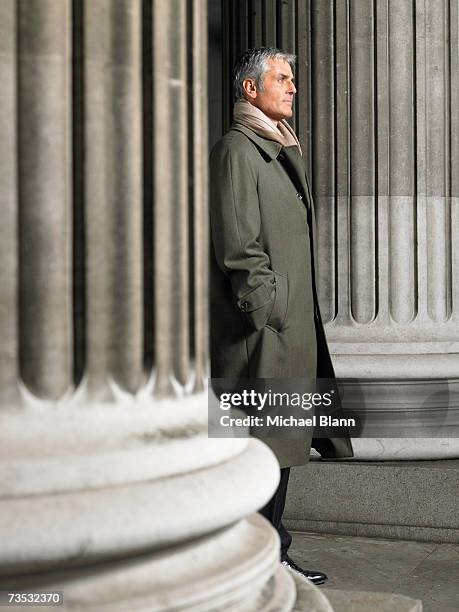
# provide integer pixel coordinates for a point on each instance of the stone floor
(425, 571)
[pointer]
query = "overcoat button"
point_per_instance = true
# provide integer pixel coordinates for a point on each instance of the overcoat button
(299, 196)
(244, 306)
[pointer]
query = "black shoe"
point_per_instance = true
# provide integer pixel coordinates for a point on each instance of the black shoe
(315, 577)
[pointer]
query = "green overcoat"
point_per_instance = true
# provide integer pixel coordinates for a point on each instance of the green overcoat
(265, 319)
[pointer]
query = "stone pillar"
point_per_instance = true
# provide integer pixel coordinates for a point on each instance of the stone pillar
(44, 196)
(9, 347)
(109, 239)
(384, 172)
(110, 489)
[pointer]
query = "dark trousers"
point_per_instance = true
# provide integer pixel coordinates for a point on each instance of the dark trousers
(274, 509)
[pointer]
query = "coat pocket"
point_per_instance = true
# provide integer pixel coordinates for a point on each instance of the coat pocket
(279, 312)
(256, 304)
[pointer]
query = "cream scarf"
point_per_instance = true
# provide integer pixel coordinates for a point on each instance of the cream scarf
(252, 117)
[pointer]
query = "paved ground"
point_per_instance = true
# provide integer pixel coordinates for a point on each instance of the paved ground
(425, 571)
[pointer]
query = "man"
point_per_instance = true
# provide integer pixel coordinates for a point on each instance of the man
(265, 320)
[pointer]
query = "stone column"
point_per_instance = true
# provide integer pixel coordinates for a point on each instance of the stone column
(110, 489)
(109, 239)
(384, 171)
(9, 348)
(44, 196)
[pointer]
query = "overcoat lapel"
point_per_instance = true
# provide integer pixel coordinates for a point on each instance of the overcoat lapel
(297, 173)
(299, 178)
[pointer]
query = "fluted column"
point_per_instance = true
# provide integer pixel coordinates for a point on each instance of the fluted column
(199, 221)
(44, 195)
(104, 455)
(9, 348)
(384, 142)
(109, 240)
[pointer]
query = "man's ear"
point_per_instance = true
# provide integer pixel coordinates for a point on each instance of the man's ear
(250, 89)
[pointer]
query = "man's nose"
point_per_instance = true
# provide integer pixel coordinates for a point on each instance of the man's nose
(292, 88)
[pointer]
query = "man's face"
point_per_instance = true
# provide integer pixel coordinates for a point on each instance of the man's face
(276, 99)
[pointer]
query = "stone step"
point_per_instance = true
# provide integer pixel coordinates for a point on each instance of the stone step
(318, 599)
(407, 500)
(361, 601)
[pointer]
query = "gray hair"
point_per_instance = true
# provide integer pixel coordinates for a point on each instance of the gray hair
(253, 64)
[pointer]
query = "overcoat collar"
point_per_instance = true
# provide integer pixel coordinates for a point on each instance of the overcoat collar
(270, 147)
(272, 150)
(291, 154)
